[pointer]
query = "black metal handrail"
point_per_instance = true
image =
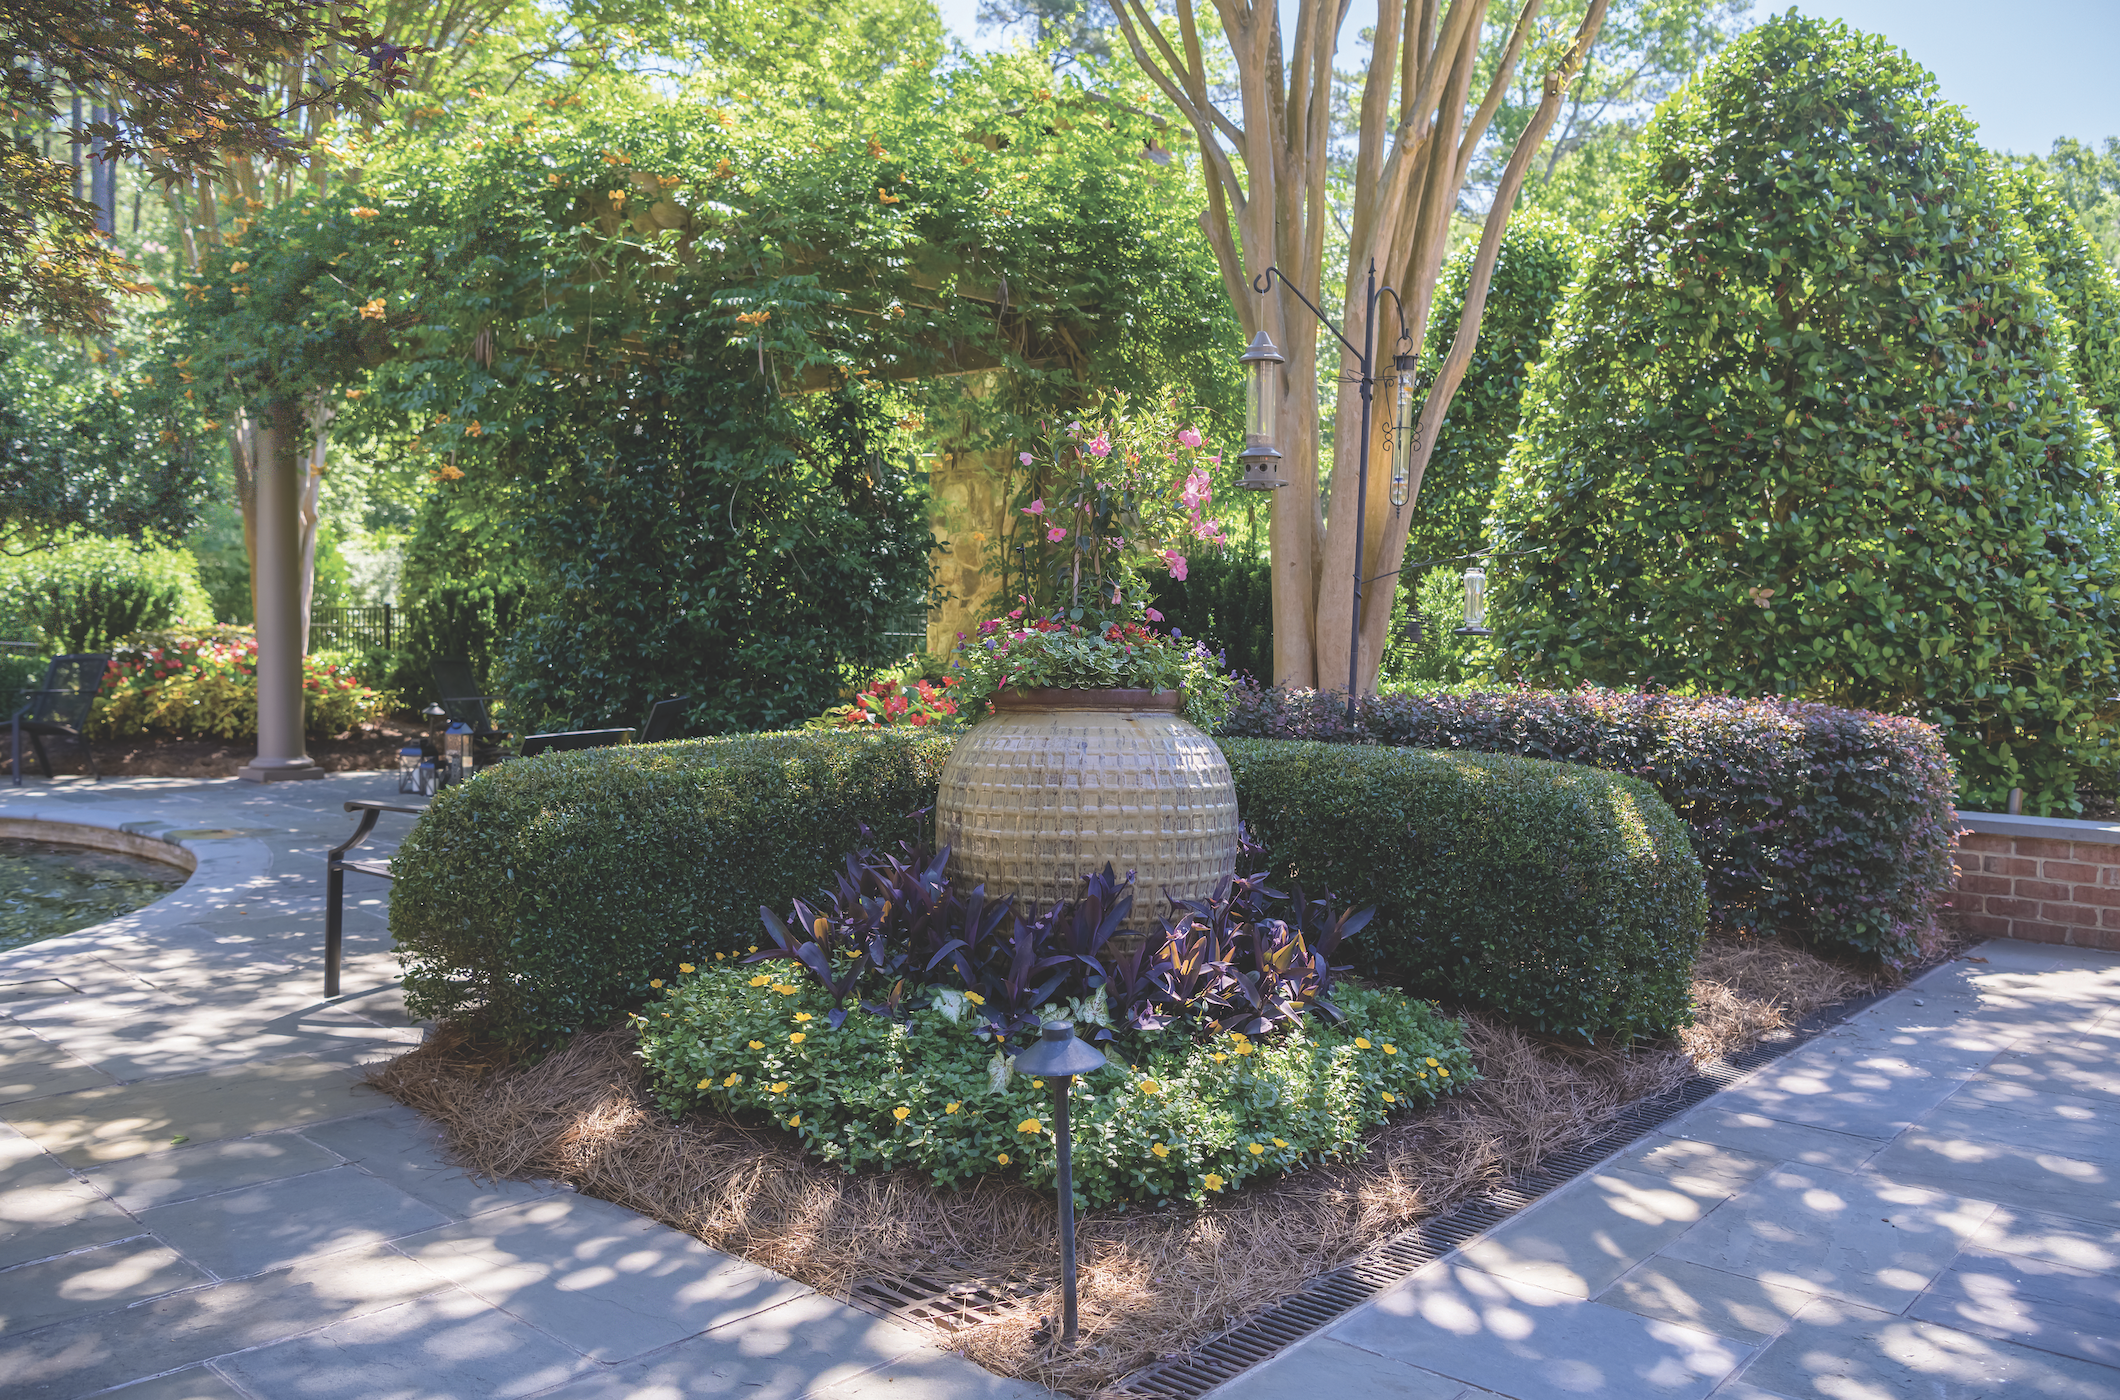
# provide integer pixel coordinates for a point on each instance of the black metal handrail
(336, 865)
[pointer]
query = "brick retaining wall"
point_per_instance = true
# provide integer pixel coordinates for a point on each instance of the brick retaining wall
(2042, 879)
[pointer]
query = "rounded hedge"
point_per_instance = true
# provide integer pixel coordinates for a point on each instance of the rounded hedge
(546, 895)
(1564, 898)
(547, 892)
(1809, 426)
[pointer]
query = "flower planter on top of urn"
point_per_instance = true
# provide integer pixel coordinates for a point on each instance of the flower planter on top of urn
(1057, 783)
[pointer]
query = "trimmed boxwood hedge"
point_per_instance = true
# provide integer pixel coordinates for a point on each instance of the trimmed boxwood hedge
(548, 891)
(546, 894)
(1562, 897)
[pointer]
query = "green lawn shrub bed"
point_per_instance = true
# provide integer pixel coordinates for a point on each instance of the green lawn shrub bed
(1176, 1113)
(1835, 826)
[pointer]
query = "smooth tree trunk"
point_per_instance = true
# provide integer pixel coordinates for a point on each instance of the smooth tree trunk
(1266, 167)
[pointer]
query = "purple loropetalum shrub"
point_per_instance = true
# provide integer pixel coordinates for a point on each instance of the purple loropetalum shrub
(1836, 826)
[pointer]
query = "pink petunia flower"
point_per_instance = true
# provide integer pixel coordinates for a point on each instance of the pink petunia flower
(1153, 616)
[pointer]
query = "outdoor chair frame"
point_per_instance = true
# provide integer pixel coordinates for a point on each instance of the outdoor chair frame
(58, 709)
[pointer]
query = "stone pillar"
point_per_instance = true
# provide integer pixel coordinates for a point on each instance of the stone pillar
(968, 516)
(277, 586)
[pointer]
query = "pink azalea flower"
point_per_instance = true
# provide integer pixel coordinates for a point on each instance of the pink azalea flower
(1055, 535)
(1035, 508)
(1024, 457)
(1189, 436)
(1100, 446)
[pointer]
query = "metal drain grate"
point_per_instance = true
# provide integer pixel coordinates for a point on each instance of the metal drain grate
(1262, 1336)
(945, 1302)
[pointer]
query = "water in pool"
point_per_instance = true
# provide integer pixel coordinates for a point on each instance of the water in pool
(47, 889)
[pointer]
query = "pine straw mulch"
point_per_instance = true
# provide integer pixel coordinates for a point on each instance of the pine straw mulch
(1153, 1282)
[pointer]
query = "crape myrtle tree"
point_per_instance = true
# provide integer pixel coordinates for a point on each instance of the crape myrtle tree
(1809, 425)
(1426, 100)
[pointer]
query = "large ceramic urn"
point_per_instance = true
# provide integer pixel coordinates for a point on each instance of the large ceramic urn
(1058, 783)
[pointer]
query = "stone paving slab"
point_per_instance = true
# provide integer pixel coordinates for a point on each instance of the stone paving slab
(443, 1346)
(804, 1347)
(275, 1223)
(1838, 1351)
(611, 1284)
(1860, 1238)
(96, 1353)
(1332, 1368)
(1520, 1340)
(1921, 1205)
(93, 1281)
(1594, 1229)
(2048, 1306)
(353, 1258)
(208, 1169)
(114, 1123)
(197, 1383)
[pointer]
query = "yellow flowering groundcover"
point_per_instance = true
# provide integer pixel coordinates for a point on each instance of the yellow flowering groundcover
(1179, 1112)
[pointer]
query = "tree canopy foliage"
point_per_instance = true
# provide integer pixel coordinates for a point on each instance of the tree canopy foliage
(1532, 271)
(187, 86)
(673, 357)
(87, 447)
(1809, 425)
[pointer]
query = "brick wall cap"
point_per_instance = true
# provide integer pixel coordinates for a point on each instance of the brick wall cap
(2050, 828)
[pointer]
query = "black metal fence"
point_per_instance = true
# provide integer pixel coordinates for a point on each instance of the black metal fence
(332, 629)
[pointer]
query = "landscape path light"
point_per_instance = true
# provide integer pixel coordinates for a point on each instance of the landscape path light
(1261, 381)
(1057, 1058)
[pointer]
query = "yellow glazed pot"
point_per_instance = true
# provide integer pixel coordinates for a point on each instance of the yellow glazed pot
(1056, 783)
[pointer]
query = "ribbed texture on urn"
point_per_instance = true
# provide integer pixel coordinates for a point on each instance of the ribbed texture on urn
(1033, 800)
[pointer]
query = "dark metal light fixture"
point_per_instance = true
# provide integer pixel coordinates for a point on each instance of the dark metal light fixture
(1059, 1057)
(1262, 399)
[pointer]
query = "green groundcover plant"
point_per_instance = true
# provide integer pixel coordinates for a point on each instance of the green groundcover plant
(1230, 1049)
(1172, 1114)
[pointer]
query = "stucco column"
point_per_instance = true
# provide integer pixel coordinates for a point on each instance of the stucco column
(278, 589)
